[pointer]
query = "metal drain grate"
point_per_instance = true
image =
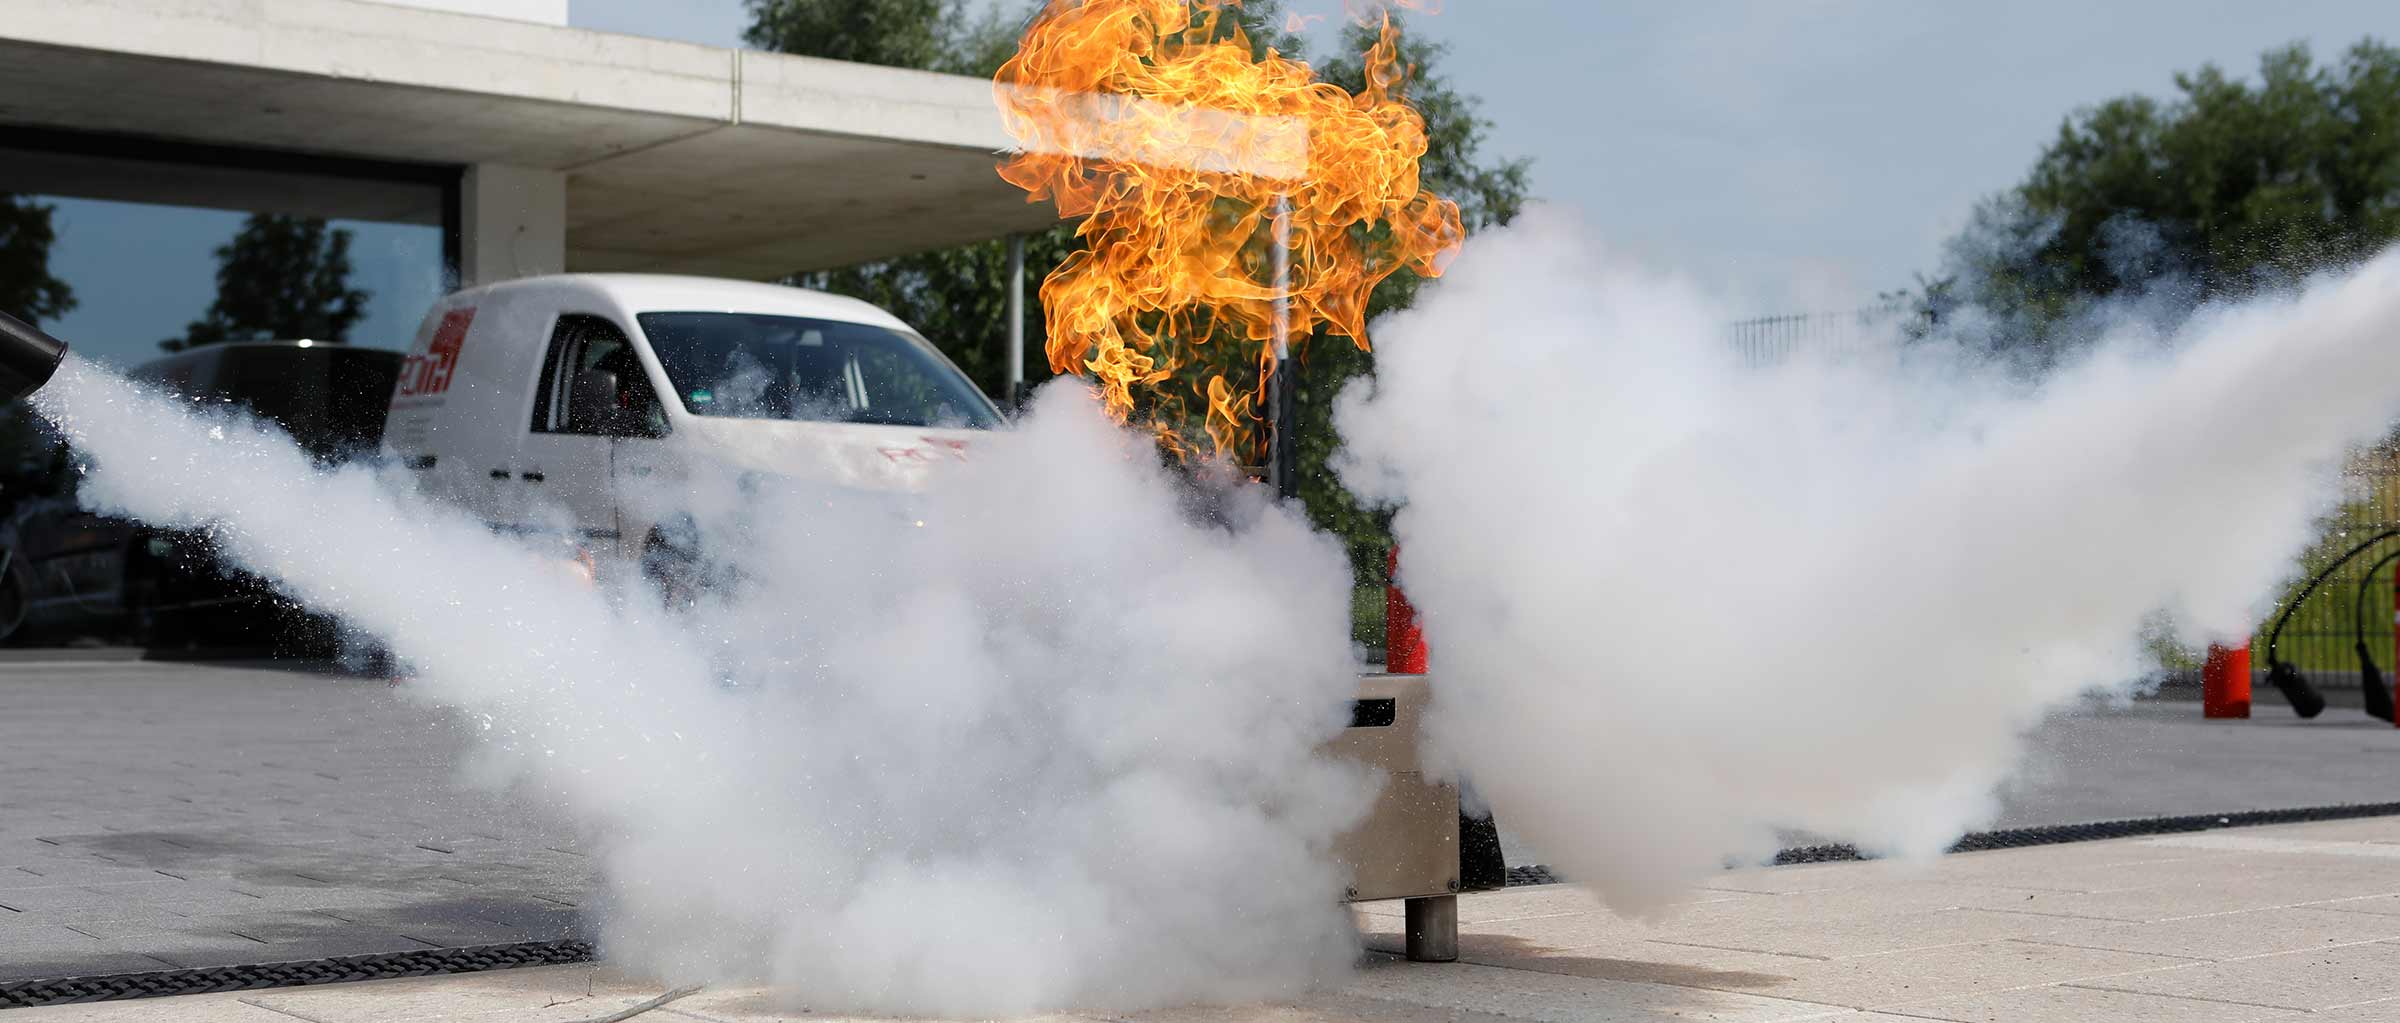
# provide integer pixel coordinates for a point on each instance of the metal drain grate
(340, 970)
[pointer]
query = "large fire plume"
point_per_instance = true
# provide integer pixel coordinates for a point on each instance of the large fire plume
(1189, 160)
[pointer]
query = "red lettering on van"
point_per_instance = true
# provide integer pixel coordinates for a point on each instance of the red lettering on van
(428, 373)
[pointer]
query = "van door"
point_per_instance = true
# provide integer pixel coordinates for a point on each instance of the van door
(566, 459)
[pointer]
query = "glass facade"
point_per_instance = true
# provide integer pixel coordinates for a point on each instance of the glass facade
(161, 246)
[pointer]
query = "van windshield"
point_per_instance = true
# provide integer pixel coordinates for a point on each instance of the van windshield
(754, 366)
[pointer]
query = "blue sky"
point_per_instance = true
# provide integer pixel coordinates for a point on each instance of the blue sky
(1789, 156)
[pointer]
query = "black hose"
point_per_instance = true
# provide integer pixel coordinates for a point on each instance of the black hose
(2358, 604)
(2304, 698)
(2373, 693)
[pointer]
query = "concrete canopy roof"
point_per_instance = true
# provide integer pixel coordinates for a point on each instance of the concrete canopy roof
(678, 158)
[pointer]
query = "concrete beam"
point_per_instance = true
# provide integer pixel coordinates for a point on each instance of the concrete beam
(676, 157)
(548, 12)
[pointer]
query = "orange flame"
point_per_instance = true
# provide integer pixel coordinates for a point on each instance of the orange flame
(1152, 120)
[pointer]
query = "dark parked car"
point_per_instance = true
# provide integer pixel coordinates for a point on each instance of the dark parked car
(66, 573)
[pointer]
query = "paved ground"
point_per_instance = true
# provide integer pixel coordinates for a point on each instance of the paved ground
(174, 815)
(2160, 758)
(2296, 923)
(160, 815)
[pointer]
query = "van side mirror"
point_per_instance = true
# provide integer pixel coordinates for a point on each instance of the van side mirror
(592, 405)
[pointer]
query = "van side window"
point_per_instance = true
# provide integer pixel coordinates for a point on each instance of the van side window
(583, 342)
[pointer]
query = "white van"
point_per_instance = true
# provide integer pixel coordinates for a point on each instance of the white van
(575, 392)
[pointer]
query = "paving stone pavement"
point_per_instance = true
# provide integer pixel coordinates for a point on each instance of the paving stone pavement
(162, 815)
(2159, 758)
(2293, 923)
(157, 816)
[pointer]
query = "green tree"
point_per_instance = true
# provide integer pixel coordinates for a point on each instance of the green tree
(2229, 186)
(28, 291)
(932, 35)
(280, 277)
(32, 461)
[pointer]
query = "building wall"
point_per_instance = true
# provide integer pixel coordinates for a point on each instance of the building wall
(138, 226)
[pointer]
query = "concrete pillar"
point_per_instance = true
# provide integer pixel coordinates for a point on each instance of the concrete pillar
(512, 223)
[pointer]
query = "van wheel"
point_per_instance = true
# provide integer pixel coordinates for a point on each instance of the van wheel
(674, 570)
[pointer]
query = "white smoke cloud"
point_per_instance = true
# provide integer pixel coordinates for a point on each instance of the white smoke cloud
(1053, 747)
(1675, 604)
(1036, 739)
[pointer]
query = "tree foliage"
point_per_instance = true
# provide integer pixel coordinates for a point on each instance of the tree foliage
(28, 291)
(930, 35)
(2293, 173)
(280, 277)
(2229, 186)
(32, 461)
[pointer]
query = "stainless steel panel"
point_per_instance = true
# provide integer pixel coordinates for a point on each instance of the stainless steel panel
(1408, 845)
